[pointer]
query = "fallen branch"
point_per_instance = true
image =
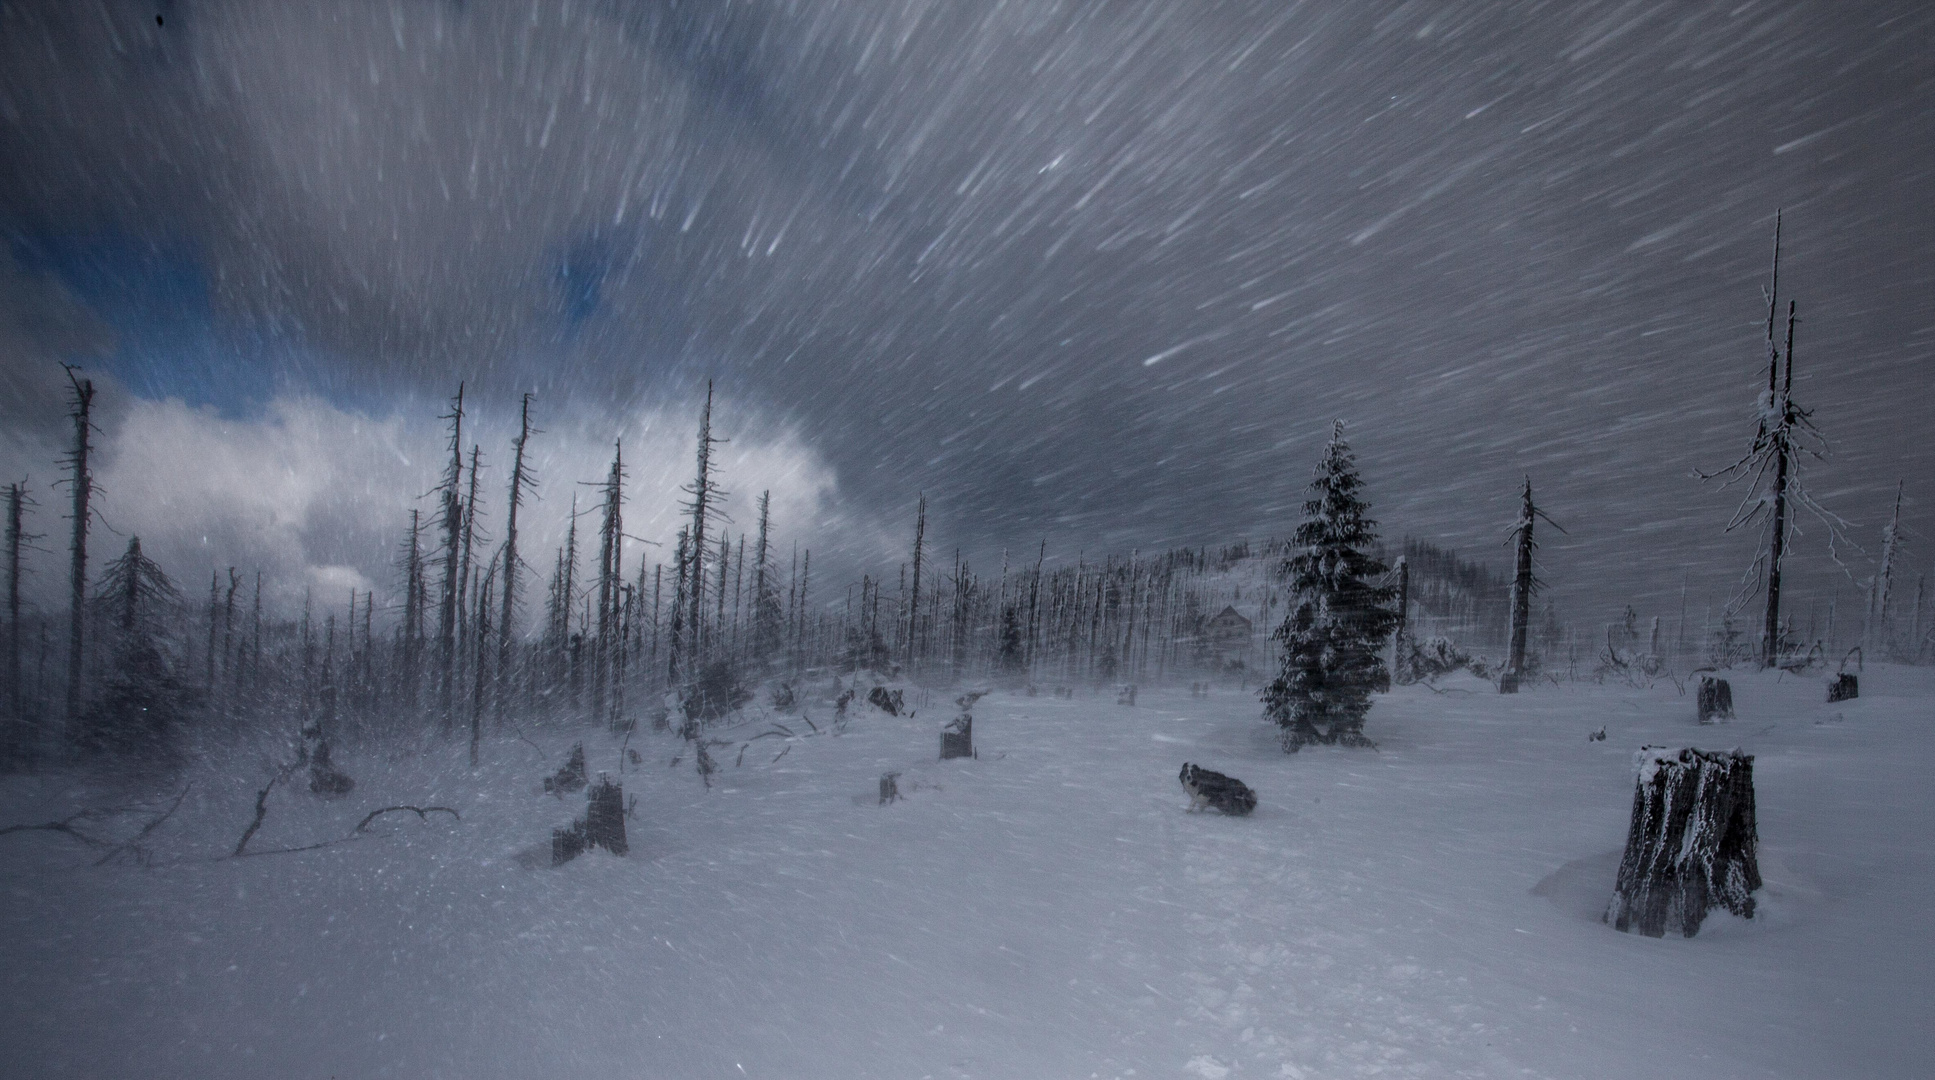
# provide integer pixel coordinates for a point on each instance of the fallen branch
(262, 807)
(422, 812)
(362, 830)
(133, 843)
(66, 825)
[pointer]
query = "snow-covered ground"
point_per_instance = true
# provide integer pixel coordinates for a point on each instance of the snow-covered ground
(1049, 910)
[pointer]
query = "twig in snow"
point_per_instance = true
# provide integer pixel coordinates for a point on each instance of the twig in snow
(262, 806)
(133, 843)
(422, 812)
(66, 825)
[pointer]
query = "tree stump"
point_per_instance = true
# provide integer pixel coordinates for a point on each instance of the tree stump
(1716, 699)
(602, 826)
(890, 702)
(605, 817)
(889, 787)
(957, 738)
(1125, 695)
(1692, 843)
(571, 777)
(567, 843)
(1844, 687)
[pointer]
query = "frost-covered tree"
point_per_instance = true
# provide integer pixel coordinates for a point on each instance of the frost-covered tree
(1771, 470)
(143, 699)
(1332, 637)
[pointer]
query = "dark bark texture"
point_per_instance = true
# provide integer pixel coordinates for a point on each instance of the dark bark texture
(1693, 842)
(1715, 699)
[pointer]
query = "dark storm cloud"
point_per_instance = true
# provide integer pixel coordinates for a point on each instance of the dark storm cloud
(1102, 272)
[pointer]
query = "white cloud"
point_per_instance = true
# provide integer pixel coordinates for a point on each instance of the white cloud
(319, 497)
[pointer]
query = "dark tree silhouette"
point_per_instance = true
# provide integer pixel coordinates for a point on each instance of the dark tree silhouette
(143, 701)
(1336, 627)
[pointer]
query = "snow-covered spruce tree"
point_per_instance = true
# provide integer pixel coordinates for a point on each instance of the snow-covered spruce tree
(143, 702)
(1333, 634)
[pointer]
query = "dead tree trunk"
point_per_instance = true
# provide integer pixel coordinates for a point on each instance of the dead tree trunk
(1845, 687)
(957, 738)
(1715, 699)
(82, 482)
(1692, 842)
(913, 619)
(17, 538)
(605, 817)
(521, 481)
(451, 510)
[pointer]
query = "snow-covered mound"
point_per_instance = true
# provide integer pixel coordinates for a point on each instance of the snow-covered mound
(1049, 909)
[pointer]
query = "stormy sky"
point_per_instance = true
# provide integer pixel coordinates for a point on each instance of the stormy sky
(1096, 273)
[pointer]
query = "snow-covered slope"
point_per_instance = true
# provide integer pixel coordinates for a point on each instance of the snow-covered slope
(1049, 910)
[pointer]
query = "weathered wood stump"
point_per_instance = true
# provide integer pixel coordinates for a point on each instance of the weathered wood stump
(602, 826)
(1125, 695)
(567, 843)
(890, 702)
(1844, 687)
(1716, 699)
(1692, 843)
(889, 787)
(571, 777)
(605, 817)
(957, 738)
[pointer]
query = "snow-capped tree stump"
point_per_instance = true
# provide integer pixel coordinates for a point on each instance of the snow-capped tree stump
(1844, 687)
(957, 738)
(1716, 699)
(1692, 843)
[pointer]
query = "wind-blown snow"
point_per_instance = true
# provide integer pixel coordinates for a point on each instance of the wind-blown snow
(1049, 910)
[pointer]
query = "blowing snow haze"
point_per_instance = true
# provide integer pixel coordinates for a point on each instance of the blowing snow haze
(1100, 274)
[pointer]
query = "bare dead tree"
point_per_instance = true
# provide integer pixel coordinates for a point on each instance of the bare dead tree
(410, 641)
(81, 484)
(611, 533)
(480, 663)
(522, 481)
(463, 559)
(1771, 470)
(675, 634)
(920, 537)
(18, 541)
(1524, 584)
(707, 498)
(450, 517)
